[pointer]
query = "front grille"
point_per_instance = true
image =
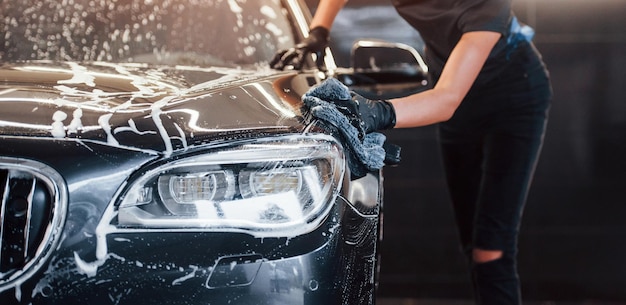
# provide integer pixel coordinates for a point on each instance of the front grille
(32, 210)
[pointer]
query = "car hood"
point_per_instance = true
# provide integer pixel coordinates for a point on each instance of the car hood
(153, 109)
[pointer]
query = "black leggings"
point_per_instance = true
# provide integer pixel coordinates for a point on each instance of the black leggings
(490, 149)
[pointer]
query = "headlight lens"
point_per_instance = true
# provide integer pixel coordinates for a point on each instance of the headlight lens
(263, 186)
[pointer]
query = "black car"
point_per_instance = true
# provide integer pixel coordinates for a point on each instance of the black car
(149, 155)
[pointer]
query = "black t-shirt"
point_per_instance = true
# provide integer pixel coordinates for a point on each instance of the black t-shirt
(441, 23)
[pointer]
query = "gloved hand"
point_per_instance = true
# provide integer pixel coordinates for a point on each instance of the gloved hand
(353, 118)
(316, 42)
(367, 115)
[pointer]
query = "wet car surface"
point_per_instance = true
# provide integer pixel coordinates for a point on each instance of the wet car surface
(149, 155)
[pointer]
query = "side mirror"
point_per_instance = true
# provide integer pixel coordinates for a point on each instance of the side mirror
(381, 69)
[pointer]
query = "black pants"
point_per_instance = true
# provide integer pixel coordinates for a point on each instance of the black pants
(490, 149)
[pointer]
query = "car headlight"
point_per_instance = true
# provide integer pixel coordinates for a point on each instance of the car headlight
(262, 186)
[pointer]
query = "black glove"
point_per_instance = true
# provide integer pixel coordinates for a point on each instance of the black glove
(316, 42)
(367, 115)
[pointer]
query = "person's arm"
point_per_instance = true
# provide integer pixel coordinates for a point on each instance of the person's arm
(317, 40)
(458, 75)
(326, 13)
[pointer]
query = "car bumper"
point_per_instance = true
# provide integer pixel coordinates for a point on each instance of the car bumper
(184, 268)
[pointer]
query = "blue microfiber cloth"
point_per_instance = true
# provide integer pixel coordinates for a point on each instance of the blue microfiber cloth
(365, 153)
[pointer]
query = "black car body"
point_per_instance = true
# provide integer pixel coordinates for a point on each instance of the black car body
(149, 156)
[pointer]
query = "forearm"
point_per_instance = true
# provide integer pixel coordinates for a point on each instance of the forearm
(425, 108)
(326, 12)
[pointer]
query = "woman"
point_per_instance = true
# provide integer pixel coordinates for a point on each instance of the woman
(491, 99)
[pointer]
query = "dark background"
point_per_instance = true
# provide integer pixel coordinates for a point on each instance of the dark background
(573, 240)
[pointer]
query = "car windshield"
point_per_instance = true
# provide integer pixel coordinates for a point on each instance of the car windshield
(230, 33)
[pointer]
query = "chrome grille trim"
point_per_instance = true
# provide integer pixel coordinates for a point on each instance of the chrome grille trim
(5, 222)
(33, 175)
